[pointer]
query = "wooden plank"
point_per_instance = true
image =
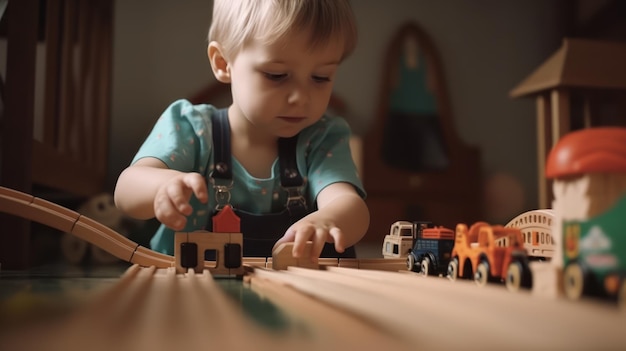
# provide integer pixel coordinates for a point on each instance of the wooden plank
(544, 143)
(51, 88)
(103, 87)
(336, 330)
(105, 238)
(483, 317)
(146, 257)
(81, 136)
(66, 84)
(282, 257)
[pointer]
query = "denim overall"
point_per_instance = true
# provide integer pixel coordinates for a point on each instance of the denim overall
(261, 231)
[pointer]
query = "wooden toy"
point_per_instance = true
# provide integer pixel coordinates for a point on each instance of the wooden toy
(399, 241)
(536, 228)
(222, 252)
(282, 257)
(490, 252)
(224, 249)
(430, 254)
(589, 171)
(426, 248)
(35, 209)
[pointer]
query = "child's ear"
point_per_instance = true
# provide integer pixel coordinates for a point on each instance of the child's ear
(219, 65)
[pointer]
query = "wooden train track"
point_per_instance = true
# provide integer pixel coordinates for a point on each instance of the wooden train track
(333, 309)
(158, 309)
(154, 307)
(45, 212)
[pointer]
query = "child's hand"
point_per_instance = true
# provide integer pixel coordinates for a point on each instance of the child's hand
(318, 232)
(171, 202)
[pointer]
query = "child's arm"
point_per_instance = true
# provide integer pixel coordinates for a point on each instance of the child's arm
(149, 189)
(342, 218)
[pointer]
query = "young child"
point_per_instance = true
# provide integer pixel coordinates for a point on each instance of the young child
(280, 58)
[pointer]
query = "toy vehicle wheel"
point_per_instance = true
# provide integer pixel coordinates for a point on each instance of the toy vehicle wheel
(573, 281)
(453, 269)
(514, 276)
(410, 263)
(425, 266)
(482, 273)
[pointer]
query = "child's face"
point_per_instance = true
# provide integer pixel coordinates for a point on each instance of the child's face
(281, 88)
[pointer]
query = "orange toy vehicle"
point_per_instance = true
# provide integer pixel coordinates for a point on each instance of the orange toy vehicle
(490, 252)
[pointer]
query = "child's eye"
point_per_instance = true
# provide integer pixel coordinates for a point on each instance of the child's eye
(275, 76)
(321, 79)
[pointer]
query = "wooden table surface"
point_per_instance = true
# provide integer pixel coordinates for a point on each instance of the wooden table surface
(334, 309)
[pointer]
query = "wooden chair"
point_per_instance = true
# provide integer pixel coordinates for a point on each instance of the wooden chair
(69, 153)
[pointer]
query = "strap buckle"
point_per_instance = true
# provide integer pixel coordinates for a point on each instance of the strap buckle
(222, 193)
(295, 197)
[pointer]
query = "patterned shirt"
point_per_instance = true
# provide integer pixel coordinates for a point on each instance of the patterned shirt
(182, 139)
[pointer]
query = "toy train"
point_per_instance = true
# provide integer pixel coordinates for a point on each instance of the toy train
(535, 225)
(483, 252)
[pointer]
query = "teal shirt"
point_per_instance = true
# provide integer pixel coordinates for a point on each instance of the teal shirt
(182, 139)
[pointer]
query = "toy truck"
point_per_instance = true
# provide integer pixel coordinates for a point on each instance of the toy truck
(399, 241)
(430, 254)
(490, 253)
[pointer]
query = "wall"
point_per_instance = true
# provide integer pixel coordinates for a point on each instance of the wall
(487, 46)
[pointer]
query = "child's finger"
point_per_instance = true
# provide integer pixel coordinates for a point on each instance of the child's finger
(288, 237)
(179, 198)
(319, 240)
(197, 184)
(167, 213)
(338, 239)
(302, 235)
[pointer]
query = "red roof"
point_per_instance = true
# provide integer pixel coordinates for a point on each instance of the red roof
(591, 150)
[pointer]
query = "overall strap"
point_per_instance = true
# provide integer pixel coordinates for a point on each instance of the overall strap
(289, 174)
(290, 178)
(221, 146)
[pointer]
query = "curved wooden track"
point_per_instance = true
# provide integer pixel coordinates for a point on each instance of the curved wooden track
(45, 212)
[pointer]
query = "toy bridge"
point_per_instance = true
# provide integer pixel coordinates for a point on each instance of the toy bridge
(45, 212)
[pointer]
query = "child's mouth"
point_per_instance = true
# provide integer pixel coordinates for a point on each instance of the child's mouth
(292, 119)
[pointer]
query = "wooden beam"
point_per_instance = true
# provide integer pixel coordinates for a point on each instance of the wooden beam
(543, 144)
(17, 129)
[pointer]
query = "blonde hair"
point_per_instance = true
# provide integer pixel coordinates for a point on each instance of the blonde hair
(236, 22)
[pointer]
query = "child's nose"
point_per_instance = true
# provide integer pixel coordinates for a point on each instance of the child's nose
(299, 94)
